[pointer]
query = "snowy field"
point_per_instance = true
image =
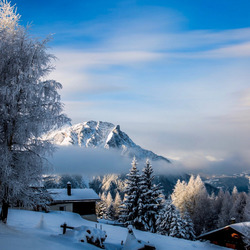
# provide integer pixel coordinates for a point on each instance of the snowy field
(37, 231)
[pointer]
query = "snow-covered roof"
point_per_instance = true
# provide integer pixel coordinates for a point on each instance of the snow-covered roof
(78, 194)
(241, 227)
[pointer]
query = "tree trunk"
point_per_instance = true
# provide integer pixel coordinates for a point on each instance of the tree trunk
(4, 212)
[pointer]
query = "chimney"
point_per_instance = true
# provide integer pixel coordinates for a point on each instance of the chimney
(69, 188)
(232, 220)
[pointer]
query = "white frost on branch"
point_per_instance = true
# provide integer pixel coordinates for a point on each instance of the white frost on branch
(9, 17)
(29, 107)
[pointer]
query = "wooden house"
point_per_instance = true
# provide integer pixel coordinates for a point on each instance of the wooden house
(81, 201)
(230, 236)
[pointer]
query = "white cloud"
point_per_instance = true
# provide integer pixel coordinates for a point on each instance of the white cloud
(201, 108)
(79, 59)
(96, 161)
(73, 69)
(212, 158)
(228, 51)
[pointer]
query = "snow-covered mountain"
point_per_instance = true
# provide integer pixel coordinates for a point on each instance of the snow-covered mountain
(105, 135)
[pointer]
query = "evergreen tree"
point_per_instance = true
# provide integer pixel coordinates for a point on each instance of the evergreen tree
(165, 217)
(117, 205)
(150, 202)
(169, 221)
(101, 207)
(109, 200)
(188, 227)
(177, 226)
(111, 212)
(110, 207)
(30, 106)
(130, 213)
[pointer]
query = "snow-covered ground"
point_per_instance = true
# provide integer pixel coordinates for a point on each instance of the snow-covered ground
(37, 230)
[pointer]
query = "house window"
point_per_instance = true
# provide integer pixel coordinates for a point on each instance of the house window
(234, 235)
(62, 208)
(231, 245)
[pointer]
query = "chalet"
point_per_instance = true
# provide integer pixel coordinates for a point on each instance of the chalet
(230, 236)
(81, 201)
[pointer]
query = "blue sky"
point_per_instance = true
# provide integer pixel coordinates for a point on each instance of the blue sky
(174, 74)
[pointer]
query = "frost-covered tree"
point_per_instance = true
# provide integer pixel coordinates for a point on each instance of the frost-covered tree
(217, 203)
(238, 207)
(235, 194)
(199, 206)
(193, 198)
(130, 213)
(246, 214)
(246, 235)
(9, 17)
(150, 202)
(75, 180)
(224, 215)
(179, 196)
(29, 107)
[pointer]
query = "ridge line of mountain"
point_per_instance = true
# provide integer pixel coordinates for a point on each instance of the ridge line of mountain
(92, 134)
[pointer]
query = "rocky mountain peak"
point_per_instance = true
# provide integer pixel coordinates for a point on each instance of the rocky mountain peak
(101, 135)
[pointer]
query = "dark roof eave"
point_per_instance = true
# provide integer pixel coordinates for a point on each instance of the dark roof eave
(71, 201)
(218, 230)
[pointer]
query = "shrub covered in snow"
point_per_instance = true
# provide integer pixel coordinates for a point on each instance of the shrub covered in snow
(90, 235)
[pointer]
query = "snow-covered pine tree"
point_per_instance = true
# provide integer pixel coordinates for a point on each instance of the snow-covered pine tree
(29, 107)
(117, 205)
(109, 199)
(101, 207)
(177, 226)
(110, 207)
(111, 212)
(170, 222)
(130, 211)
(150, 202)
(188, 227)
(164, 219)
